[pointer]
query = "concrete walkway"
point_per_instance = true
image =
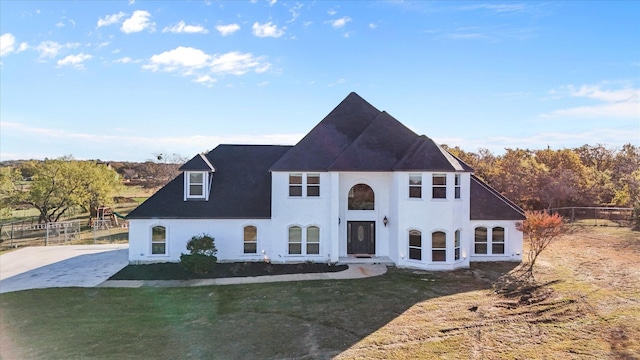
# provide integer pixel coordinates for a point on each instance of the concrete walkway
(41, 267)
(355, 271)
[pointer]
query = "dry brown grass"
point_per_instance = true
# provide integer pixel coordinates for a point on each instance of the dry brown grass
(588, 306)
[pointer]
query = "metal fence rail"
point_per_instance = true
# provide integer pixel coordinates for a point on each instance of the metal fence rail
(596, 216)
(31, 233)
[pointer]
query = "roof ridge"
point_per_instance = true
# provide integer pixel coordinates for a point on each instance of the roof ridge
(411, 149)
(355, 139)
(496, 193)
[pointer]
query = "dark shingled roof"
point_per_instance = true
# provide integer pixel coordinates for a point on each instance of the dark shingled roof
(241, 187)
(356, 136)
(425, 154)
(198, 163)
(488, 204)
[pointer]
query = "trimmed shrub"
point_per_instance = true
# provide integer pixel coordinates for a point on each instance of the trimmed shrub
(202, 255)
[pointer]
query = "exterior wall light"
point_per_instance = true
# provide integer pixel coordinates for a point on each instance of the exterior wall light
(385, 221)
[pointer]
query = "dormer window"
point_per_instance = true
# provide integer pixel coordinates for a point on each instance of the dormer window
(196, 185)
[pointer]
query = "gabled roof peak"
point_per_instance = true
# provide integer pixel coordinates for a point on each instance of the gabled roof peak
(198, 163)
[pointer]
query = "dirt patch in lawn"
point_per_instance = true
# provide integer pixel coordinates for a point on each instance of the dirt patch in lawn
(174, 271)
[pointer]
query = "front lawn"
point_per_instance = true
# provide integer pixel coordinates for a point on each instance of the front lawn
(590, 311)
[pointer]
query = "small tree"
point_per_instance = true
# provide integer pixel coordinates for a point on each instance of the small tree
(541, 229)
(202, 255)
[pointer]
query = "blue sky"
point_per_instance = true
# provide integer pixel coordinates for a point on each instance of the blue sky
(122, 80)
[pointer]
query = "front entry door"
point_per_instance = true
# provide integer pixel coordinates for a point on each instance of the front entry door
(361, 237)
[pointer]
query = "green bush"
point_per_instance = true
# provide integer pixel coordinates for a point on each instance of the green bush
(202, 255)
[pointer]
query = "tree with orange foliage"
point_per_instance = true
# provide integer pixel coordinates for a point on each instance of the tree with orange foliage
(541, 229)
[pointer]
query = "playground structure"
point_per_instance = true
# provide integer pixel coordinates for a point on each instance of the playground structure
(103, 217)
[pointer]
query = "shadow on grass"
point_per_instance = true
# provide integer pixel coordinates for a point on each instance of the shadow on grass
(306, 319)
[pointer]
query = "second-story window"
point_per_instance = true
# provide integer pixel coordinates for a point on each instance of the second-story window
(457, 186)
(415, 186)
(313, 185)
(439, 186)
(295, 184)
(195, 185)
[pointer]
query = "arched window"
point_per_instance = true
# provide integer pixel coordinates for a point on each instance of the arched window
(438, 246)
(456, 246)
(497, 240)
(313, 240)
(361, 197)
(158, 240)
(295, 240)
(480, 240)
(415, 245)
(250, 240)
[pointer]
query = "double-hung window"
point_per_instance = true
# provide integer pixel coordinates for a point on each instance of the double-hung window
(304, 242)
(457, 186)
(480, 240)
(439, 186)
(313, 185)
(438, 246)
(497, 240)
(196, 185)
(415, 245)
(158, 240)
(295, 185)
(304, 185)
(415, 186)
(250, 240)
(456, 246)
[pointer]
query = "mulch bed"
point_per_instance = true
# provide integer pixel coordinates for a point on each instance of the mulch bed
(174, 271)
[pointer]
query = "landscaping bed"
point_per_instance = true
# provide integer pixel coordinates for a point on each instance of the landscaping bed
(175, 271)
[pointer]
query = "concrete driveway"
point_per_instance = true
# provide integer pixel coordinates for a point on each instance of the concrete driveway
(60, 266)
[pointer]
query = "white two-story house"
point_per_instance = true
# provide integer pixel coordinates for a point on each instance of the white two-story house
(359, 187)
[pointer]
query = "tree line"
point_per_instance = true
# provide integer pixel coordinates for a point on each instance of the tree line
(538, 179)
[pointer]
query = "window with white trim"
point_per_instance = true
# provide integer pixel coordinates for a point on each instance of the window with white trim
(196, 185)
(295, 185)
(361, 197)
(415, 245)
(158, 240)
(497, 240)
(313, 240)
(480, 240)
(313, 185)
(304, 242)
(457, 186)
(439, 186)
(456, 246)
(295, 240)
(415, 186)
(250, 239)
(438, 246)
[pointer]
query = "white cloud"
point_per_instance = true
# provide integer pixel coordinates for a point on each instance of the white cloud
(126, 60)
(373, 25)
(48, 49)
(74, 60)
(225, 30)
(272, 2)
(189, 61)
(621, 103)
(181, 27)
(332, 12)
(139, 21)
(339, 23)
(23, 46)
(338, 82)
(184, 58)
(7, 42)
(110, 19)
(60, 24)
(205, 80)
(267, 30)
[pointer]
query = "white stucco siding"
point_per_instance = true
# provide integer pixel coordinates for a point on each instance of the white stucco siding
(512, 236)
(228, 235)
(429, 215)
(303, 211)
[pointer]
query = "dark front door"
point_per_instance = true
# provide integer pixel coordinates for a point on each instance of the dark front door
(361, 237)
